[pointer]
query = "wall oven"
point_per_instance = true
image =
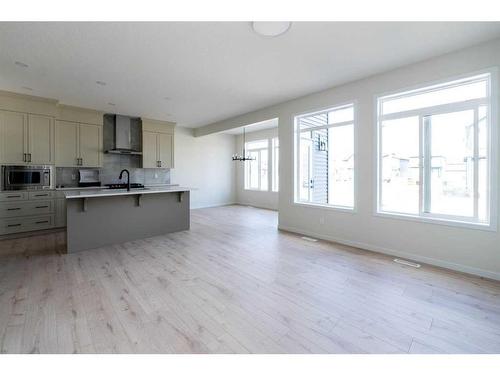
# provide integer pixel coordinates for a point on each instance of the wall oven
(27, 177)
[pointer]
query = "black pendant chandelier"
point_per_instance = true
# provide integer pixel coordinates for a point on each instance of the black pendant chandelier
(243, 156)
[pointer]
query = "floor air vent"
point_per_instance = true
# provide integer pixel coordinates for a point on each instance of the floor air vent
(407, 263)
(309, 239)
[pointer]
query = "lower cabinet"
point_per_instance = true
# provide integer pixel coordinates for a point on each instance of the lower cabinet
(26, 224)
(31, 211)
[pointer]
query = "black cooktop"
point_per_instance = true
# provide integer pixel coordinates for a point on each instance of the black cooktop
(124, 186)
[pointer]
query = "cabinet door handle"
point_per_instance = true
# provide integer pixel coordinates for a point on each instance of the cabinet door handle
(13, 209)
(13, 196)
(24, 157)
(14, 225)
(41, 222)
(41, 195)
(159, 163)
(29, 158)
(42, 207)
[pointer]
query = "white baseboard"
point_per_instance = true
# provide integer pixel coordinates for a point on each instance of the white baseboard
(401, 254)
(214, 205)
(256, 206)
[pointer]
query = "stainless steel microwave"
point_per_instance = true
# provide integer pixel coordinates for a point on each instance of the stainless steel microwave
(27, 177)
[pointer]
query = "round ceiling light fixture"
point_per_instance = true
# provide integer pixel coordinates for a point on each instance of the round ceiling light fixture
(271, 29)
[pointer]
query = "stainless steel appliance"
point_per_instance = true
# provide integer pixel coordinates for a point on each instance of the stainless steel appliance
(127, 136)
(27, 177)
(89, 178)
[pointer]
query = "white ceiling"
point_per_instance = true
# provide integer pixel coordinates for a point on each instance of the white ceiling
(210, 71)
(250, 128)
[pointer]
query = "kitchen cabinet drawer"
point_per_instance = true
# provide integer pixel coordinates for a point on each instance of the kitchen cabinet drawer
(26, 224)
(15, 209)
(33, 195)
(13, 196)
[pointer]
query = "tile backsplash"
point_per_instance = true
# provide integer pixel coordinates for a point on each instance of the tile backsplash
(112, 165)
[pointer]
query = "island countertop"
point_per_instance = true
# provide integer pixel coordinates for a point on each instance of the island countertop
(118, 192)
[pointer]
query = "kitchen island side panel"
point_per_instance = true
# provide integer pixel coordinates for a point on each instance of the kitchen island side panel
(116, 219)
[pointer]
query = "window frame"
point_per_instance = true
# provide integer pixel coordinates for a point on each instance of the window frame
(492, 128)
(246, 166)
(275, 168)
(296, 155)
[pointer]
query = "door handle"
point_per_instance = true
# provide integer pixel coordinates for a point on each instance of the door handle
(14, 225)
(29, 161)
(160, 163)
(13, 209)
(42, 207)
(24, 157)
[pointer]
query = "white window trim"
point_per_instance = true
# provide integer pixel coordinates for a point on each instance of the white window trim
(273, 168)
(493, 128)
(296, 166)
(245, 166)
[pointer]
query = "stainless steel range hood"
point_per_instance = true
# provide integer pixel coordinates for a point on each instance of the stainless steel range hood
(123, 137)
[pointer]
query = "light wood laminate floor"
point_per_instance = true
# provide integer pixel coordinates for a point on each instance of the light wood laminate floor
(234, 284)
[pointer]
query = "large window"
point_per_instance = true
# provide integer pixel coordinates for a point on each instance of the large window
(434, 152)
(256, 171)
(276, 160)
(325, 157)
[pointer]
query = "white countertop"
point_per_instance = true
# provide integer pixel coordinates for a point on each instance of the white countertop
(106, 188)
(76, 194)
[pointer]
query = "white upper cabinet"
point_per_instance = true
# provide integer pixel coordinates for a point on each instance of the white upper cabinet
(149, 150)
(13, 134)
(66, 143)
(41, 139)
(166, 150)
(90, 145)
(78, 144)
(157, 144)
(26, 138)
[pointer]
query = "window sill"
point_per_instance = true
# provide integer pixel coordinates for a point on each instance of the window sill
(439, 221)
(326, 207)
(259, 191)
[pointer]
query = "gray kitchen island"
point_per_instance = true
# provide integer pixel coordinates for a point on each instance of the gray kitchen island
(102, 217)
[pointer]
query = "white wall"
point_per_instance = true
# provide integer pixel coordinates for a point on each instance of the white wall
(469, 250)
(263, 199)
(205, 163)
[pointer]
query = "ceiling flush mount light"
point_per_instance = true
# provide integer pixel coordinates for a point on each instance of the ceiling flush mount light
(271, 29)
(243, 156)
(21, 64)
(101, 83)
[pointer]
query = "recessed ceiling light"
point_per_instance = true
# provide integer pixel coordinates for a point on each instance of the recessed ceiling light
(101, 83)
(271, 29)
(111, 104)
(166, 98)
(21, 64)
(27, 88)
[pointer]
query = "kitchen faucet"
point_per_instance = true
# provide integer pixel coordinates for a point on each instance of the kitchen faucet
(128, 178)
